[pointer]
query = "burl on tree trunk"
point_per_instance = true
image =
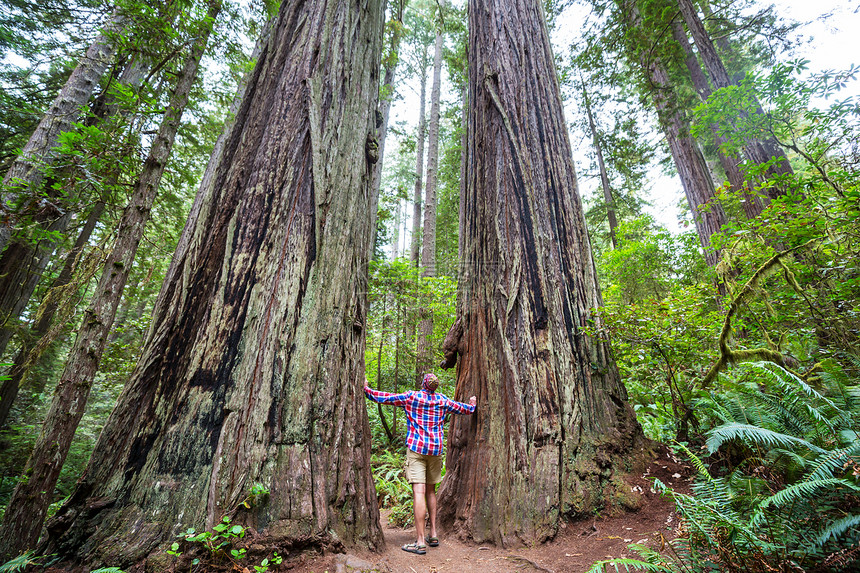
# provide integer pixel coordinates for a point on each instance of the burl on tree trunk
(553, 430)
(253, 368)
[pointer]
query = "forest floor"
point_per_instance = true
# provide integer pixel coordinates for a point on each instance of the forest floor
(577, 546)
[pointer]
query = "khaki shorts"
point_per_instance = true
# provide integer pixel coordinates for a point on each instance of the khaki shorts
(421, 468)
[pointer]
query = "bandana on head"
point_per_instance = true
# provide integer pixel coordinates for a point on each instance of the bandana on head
(430, 382)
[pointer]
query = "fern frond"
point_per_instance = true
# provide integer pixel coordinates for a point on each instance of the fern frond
(18, 563)
(629, 565)
(755, 435)
(825, 465)
(700, 466)
(836, 529)
(798, 493)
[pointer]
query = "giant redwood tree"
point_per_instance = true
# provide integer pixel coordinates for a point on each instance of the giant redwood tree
(253, 367)
(553, 425)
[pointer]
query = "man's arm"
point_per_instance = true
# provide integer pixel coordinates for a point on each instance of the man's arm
(386, 397)
(461, 408)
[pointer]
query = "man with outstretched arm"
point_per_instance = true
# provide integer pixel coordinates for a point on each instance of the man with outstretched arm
(425, 414)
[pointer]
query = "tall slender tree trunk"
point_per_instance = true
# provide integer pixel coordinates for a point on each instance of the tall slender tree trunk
(731, 164)
(22, 522)
(553, 424)
(757, 151)
(604, 176)
(22, 265)
(26, 173)
(253, 366)
(23, 262)
(423, 352)
(25, 357)
(388, 91)
(708, 215)
(382, 334)
(419, 168)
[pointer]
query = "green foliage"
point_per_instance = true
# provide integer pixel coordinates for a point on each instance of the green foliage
(788, 461)
(19, 563)
(392, 490)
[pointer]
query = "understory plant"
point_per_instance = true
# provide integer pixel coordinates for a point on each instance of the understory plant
(779, 489)
(392, 489)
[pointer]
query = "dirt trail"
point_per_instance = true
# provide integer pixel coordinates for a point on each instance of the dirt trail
(573, 551)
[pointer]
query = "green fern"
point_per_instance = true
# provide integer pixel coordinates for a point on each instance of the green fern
(837, 529)
(798, 493)
(629, 565)
(18, 563)
(755, 435)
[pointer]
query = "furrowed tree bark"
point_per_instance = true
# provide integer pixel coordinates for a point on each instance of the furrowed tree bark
(414, 253)
(604, 176)
(27, 172)
(757, 151)
(253, 367)
(424, 353)
(708, 215)
(731, 164)
(28, 506)
(553, 425)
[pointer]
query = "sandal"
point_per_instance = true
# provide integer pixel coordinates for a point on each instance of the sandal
(415, 548)
(432, 541)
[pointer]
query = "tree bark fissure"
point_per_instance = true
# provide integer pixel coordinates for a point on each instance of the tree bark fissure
(552, 417)
(253, 366)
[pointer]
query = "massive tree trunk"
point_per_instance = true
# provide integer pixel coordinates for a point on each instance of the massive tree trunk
(414, 253)
(27, 172)
(423, 351)
(757, 151)
(553, 424)
(253, 366)
(731, 164)
(604, 176)
(28, 506)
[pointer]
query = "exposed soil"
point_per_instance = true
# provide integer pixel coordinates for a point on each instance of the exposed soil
(578, 545)
(574, 550)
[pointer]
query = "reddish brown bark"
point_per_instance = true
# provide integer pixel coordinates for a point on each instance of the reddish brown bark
(253, 366)
(552, 423)
(708, 215)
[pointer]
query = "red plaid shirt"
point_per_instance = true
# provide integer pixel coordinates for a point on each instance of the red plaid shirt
(425, 414)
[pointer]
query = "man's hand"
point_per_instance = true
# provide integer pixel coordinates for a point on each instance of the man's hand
(473, 401)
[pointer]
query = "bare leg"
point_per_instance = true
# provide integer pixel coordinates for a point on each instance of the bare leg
(419, 503)
(431, 507)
